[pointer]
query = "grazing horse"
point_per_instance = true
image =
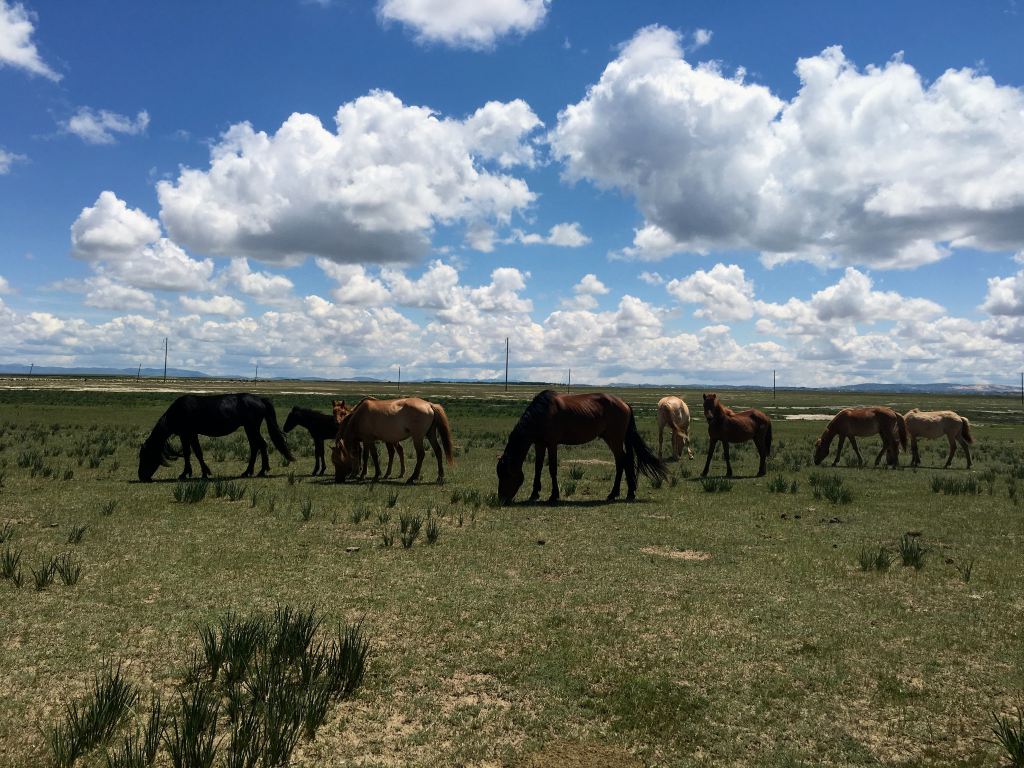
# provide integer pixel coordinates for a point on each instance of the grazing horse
(673, 413)
(851, 423)
(931, 424)
(727, 426)
(340, 411)
(215, 415)
(552, 419)
(391, 421)
(321, 427)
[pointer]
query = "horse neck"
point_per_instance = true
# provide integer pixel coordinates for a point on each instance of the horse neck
(161, 432)
(518, 446)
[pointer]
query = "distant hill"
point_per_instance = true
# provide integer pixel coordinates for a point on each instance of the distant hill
(946, 388)
(149, 373)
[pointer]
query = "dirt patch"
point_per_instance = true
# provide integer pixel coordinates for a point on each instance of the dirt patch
(808, 416)
(590, 461)
(677, 554)
(571, 755)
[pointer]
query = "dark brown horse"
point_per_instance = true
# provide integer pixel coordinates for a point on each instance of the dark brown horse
(552, 419)
(727, 426)
(851, 423)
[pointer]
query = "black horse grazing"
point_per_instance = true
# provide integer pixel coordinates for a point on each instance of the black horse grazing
(553, 419)
(321, 426)
(215, 415)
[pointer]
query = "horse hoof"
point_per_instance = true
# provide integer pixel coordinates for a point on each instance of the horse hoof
(410, 481)
(440, 480)
(534, 496)
(553, 500)
(611, 497)
(631, 497)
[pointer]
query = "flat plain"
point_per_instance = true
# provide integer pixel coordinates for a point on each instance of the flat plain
(731, 624)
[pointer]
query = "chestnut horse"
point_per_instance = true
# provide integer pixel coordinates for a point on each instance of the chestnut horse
(392, 421)
(851, 423)
(931, 424)
(552, 419)
(673, 413)
(727, 426)
(340, 410)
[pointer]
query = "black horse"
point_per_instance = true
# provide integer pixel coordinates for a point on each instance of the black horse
(321, 426)
(215, 415)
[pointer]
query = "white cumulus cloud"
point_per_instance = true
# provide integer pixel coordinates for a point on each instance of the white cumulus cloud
(369, 192)
(476, 24)
(866, 166)
(7, 159)
(724, 292)
(1005, 295)
(102, 126)
(227, 306)
(16, 46)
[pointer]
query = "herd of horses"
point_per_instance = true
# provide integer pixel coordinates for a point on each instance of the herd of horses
(551, 419)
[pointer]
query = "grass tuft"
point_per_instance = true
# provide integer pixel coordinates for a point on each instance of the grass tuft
(716, 484)
(1008, 733)
(76, 533)
(911, 551)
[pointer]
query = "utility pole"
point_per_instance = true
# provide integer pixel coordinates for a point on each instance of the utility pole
(570, 381)
(165, 358)
(1022, 389)
(773, 386)
(399, 379)
(506, 364)
(257, 376)
(138, 376)
(32, 366)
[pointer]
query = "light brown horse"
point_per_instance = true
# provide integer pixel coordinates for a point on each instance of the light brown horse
(931, 424)
(552, 419)
(851, 423)
(727, 426)
(673, 413)
(392, 421)
(340, 411)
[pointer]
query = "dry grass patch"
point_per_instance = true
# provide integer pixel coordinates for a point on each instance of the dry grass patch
(677, 554)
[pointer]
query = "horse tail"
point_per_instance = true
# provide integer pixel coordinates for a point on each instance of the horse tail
(966, 434)
(901, 428)
(643, 458)
(768, 440)
(275, 432)
(444, 431)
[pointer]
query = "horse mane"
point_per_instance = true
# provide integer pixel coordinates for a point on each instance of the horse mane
(534, 415)
(155, 447)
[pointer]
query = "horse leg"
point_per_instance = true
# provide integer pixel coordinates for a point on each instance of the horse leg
(856, 450)
(967, 450)
(915, 453)
(401, 458)
(186, 453)
(952, 450)
(364, 460)
(417, 443)
(391, 458)
(686, 442)
(553, 471)
(261, 445)
(712, 444)
(839, 450)
(436, 446)
(661, 439)
(630, 466)
(620, 464)
(197, 449)
(318, 456)
(728, 463)
(376, 460)
(762, 453)
(538, 467)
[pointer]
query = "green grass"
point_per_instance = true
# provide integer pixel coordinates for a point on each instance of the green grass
(490, 648)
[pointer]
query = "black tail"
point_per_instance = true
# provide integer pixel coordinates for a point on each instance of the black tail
(275, 432)
(643, 457)
(768, 441)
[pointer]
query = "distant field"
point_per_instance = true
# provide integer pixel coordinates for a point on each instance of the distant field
(690, 628)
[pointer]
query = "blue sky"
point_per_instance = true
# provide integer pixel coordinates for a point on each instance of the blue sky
(649, 191)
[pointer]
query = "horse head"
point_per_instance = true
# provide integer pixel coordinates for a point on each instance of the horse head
(510, 479)
(293, 419)
(340, 409)
(820, 451)
(711, 405)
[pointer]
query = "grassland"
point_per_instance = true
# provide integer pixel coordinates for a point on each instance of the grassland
(695, 627)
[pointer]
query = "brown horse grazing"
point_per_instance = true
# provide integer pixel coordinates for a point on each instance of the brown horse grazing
(340, 411)
(851, 423)
(391, 421)
(931, 424)
(727, 426)
(552, 419)
(673, 413)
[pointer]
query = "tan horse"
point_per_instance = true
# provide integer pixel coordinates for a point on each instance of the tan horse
(931, 424)
(851, 423)
(392, 421)
(727, 426)
(340, 411)
(673, 413)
